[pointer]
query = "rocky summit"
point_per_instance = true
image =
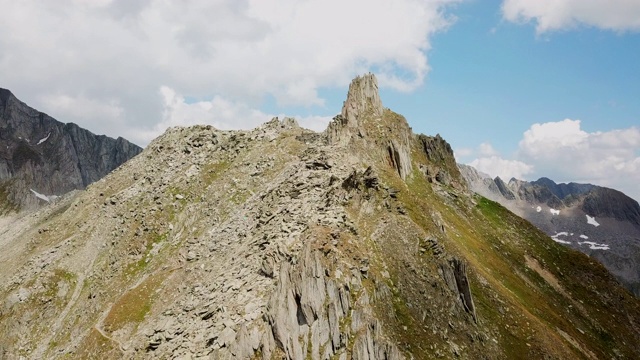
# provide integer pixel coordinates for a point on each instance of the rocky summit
(361, 242)
(600, 222)
(42, 158)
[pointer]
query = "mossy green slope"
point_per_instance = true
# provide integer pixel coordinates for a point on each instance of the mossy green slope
(534, 298)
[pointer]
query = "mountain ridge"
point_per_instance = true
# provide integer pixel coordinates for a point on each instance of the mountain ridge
(360, 242)
(39, 154)
(601, 222)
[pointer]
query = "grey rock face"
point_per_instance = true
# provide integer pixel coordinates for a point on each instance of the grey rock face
(40, 153)
(439, 152)
(363, 97)
(360, 113)
(504, 190)
(605, 202)
(307, 308)
(362, 101)
(400, 159)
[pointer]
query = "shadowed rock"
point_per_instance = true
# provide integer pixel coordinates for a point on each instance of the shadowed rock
(40, 153)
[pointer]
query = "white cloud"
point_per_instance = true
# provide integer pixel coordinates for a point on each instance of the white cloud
(489, 160)
(317, 123)
(563, 151)
(550, 15)
(485, 149)
(120, 53)
(462, 153)
(506, 169)
(563, 134)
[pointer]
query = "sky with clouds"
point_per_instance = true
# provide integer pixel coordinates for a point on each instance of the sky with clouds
(520, 88)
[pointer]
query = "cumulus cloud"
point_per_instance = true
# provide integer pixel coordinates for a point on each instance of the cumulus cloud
(486, 149)
(550, 15)
(569, 153)
(120, 53)
(461, 153)
(540, 138)
(564, 152)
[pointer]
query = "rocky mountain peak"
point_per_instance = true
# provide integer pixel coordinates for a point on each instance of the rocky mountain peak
(363, 102)
(370, 130)
(4, 95)
(362, 99)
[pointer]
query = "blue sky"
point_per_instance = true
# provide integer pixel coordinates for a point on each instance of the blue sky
(522, 88)
(492, 79)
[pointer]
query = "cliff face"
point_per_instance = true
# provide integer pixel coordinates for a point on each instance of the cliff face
(282, 243)
(601, 222)
(42, 154)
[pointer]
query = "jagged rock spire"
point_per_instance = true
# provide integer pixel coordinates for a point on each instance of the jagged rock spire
(362, 98)
(362, 107)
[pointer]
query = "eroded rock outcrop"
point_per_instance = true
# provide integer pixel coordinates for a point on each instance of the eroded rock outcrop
(363, 119)
(443, 167)
(312, 312)
(363, 101)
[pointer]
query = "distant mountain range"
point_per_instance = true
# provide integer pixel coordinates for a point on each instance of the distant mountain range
(41, 158)
(601, 222)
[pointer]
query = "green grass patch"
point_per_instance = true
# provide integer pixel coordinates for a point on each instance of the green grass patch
(96, 346)
(213, 171)
(133, 305)
(136, 267)
(6, 205)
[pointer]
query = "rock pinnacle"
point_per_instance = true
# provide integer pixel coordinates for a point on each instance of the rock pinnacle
(362, 98)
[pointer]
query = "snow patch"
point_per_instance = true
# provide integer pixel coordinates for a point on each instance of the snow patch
(563, 233)
(538, 209)
(584, 237)
(40, 196)
(592, 221)
(595, 246)
(44, 139)
(554, 212)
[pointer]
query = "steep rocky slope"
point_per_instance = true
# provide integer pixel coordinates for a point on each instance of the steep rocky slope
(41, 157)
(601, 222)
(358, 243)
